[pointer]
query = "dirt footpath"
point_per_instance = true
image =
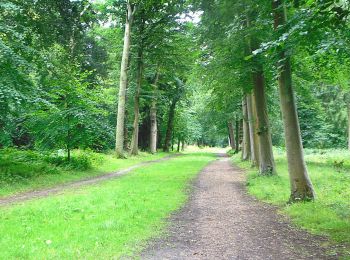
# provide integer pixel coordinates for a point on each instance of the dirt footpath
(221, 221)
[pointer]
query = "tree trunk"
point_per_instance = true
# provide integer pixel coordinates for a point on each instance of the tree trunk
(256, 130)
(246, 135)
(153, 118)
(135, 135)
(266, 160)
(126, 130)
(183, 145)
(169, 130)
(119, 146)
(178, 144)
(251, 121)
(231, 135)
(301, 186)
(237, 136)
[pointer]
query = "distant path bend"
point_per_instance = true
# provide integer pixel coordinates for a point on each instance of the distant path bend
(29, 195)
(221, 221)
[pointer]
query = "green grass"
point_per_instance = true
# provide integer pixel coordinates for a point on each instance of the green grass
(329, 214)
(104, 221)
(27, 170)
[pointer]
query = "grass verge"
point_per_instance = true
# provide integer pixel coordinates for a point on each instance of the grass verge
(105, 221)
(329, 214)
(27, 170)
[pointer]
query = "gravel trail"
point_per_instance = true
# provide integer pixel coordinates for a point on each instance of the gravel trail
(221, 221)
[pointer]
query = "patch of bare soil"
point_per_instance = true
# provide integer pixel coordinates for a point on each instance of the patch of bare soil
(21, 197)
(221, 221)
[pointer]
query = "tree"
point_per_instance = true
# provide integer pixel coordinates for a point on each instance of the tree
(301, 186)
(119, 146)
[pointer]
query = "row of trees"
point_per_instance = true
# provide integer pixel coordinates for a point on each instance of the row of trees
(61, 62)
(250, 49)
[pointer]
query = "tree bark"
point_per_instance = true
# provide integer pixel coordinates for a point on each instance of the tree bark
(126, 131)
(266, 160)
(183, 145)
(237, 136)
(301, 186)
(119, 146)
(231, 135)
(256, 130)
(153, 118)
(135, 135)
(254, 149)
(246, 153)
(170, 125)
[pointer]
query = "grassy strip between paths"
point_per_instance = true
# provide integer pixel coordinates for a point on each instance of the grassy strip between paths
(25, 170)
(329, 214)
(104, 221)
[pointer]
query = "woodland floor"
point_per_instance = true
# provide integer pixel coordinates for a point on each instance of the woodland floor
(221, 221)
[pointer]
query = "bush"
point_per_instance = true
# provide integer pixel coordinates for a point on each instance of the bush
(80, 160)
(16, 165)
(21, 165)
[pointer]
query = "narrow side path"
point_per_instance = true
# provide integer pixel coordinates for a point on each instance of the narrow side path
(21, 197)
(221, 221)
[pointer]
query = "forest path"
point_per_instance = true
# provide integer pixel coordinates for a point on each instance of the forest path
(24, 196)
(221, 221)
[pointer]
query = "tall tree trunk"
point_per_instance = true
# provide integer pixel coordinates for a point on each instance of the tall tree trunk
(246, 135)
(135, 135)
(231, 133)
(266, 160)
(254, 151)
(119, 146)
(237, 136)
(126, 130)
(153, 118)
(256, 136)
(301, 186)
(178, 144)
(183, 145)
(170, 126)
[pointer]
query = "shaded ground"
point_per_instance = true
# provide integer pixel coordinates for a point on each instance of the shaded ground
(222, 222)
(60, 188)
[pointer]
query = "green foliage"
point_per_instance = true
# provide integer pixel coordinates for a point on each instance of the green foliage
(18, 166)
(69, 113)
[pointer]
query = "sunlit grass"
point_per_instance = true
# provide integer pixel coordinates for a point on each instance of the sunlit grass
(329, 214)
(105, 221)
